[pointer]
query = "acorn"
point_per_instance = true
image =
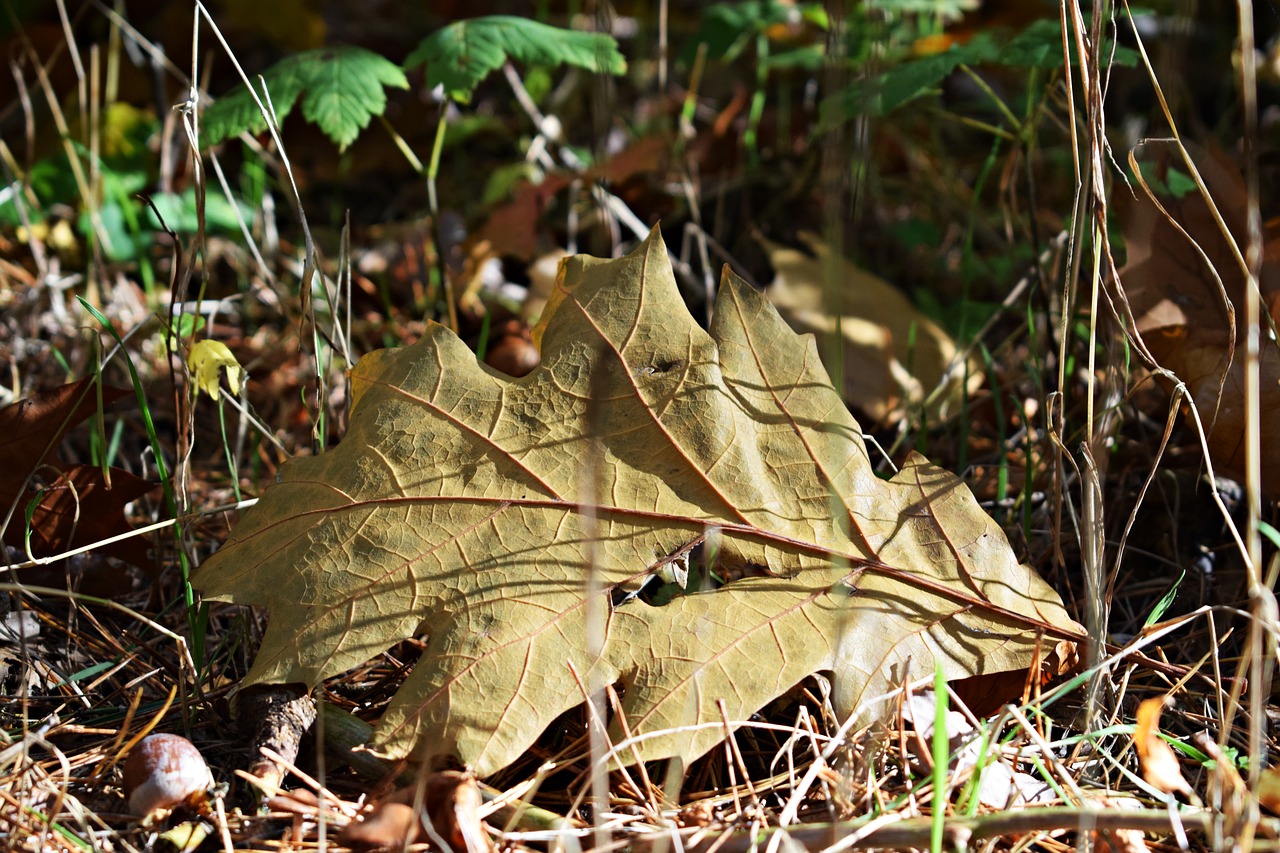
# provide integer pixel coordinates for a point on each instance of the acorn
(164, 772)
(513, 351)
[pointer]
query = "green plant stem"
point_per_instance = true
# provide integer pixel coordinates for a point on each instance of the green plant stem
(1028, 472)
(433, 166)
(98, 436)
(997, 400)
(66, 833)
(195, 616)
(403, 146)
(750, 138)
(482, 346)
(941, 759)
(996, 99)
(433, 171)
(689, 108)
(226, 448)
(975, 124)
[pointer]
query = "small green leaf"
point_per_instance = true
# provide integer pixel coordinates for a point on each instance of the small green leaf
(1040, 46)
(726, 27)
(186, 325)
(808, 58)
(944, 10)
(117, 238)
(886, 92)
(1270, 532)
(178, 210)
(341, 89)
(1166, 600)
(462, 54)
(1167, 182)
(29, 513)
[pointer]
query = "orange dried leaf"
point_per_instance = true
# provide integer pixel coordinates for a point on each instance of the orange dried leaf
(1268, 790)
(1157, 759)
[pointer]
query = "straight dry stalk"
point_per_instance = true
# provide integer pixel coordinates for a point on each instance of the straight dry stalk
(1090, 210)
(1092, 537)
(1262, 600)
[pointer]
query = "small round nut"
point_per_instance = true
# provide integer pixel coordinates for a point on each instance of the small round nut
(513, 351)
(164, 772)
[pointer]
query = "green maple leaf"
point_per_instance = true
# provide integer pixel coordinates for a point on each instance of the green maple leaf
(462, 54)
(341, 89)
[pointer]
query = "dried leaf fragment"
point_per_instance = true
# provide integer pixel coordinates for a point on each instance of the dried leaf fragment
(32, 428)
(1185, 272)
(1268, 790)
(1199, 357)
(81, 507)
(999, 786)
(450, 802)
(1157, 759)
(207, 360)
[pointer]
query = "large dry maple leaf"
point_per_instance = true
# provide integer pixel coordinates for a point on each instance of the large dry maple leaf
(502, 516)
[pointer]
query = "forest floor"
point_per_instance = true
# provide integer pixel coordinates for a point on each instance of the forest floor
(1056, 281)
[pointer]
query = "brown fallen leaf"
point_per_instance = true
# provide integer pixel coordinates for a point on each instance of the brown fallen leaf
(32, 428)
(79, 506)
(388, 825)
(515, 228)
(1165, 279)
(1199, 357)
(79, 509)
(512, 351)
(1179, 301)
(511, 519)
(1156, 758)
(893, 354)
(1119, 840)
